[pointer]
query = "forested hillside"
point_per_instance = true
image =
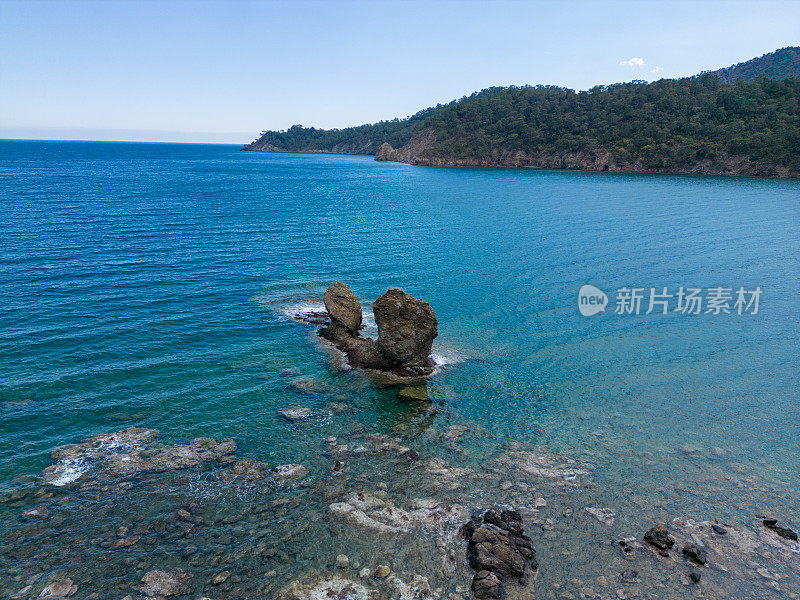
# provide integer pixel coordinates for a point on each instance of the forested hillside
(692, 125)
(775, 65)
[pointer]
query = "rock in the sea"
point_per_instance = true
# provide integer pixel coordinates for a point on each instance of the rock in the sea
(382, 571)
(59, 588)
(719, 529)
(166, 583)
(605, 515)
(343, 307)
(486, 584)
(130, 452)
(414, 393)
(331, 588)
(659, 537)
(499, 551)
(407, 327)
(695, 553)
(784, 532)
(295, 413)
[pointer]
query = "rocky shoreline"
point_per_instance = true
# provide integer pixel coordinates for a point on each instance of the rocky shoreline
(144, 520)
(360, 513)
(422, 151)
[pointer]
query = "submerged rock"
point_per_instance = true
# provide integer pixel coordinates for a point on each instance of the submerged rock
(332, 588)
(605, 515)
(543, 464)
(499, 551)
(59, 588)
(784, 532)
(295, 413)
(166, 583)
(381, 515)
(415, 393)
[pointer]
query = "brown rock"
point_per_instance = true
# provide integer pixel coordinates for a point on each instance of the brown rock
(343, 307)
(498, 550)
(486, 584)
(659, 537)
(407, 327)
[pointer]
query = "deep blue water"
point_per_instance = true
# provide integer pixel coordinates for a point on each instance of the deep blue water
(148, 284)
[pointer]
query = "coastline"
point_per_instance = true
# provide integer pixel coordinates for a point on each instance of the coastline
(699, 169)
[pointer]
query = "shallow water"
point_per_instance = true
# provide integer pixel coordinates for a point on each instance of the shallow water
(152, 285)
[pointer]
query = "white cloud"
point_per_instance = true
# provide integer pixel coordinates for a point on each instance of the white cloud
(655, 69)
(633, 62)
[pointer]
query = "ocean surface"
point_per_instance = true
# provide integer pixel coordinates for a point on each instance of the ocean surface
(153, 285)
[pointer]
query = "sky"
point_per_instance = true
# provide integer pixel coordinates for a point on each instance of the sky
(208, 71)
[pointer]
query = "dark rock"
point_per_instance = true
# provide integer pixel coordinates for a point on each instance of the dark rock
(407, 327)
(498, 550)
(784, 532)
(719, 529)
(486, 584)
(343, 307)
(695, 553)
(628, 575)
(695, 576)
(659, 537)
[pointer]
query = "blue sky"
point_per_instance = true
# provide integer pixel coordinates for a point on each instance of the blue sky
(223, 71)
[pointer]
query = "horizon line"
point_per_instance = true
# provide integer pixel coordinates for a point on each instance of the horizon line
(5, 139)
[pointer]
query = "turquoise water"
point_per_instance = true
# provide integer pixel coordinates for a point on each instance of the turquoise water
(149, 285)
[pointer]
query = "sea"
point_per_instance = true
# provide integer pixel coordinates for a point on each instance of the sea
(163, 286)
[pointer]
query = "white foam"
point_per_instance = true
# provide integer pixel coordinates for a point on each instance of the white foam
(296, 310)
(68, 471)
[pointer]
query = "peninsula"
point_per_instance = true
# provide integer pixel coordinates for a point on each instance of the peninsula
(741, 120)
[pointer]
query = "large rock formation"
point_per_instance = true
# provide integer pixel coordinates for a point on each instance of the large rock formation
(498, 551)
(407, 327)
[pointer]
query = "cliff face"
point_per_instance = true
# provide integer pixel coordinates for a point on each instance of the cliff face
(410, 153)
(604, 161)
(422, 151)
